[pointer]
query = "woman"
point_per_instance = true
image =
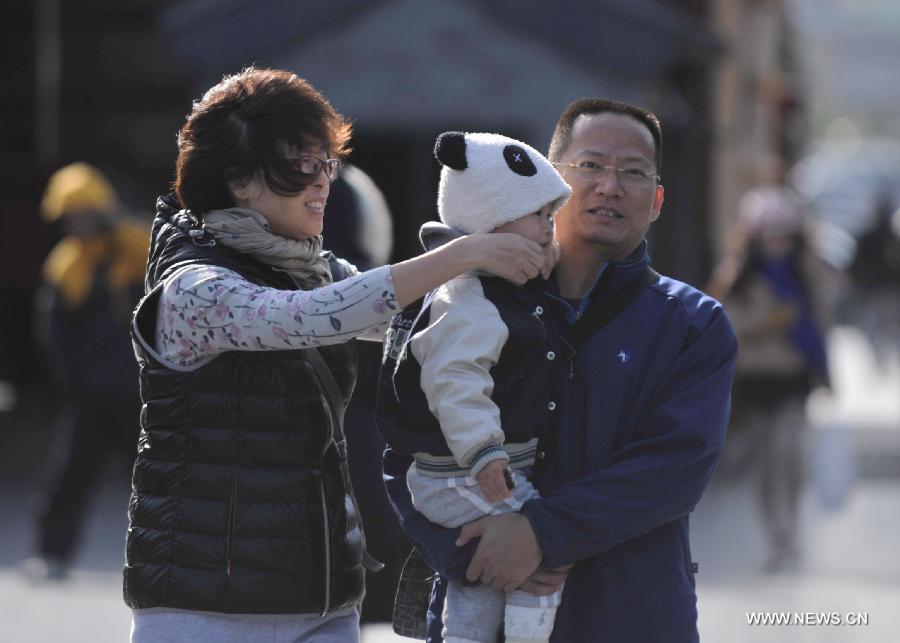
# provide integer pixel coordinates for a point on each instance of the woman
(242, 521)
(772, 288)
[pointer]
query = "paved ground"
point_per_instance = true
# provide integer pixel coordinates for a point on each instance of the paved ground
(851, 536)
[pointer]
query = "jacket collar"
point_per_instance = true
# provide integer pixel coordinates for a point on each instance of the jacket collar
(612, 276)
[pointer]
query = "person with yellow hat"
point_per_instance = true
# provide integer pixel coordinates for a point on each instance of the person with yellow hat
(93, 278)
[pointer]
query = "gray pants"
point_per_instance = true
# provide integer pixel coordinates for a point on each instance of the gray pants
(164, 625)
(780, 432)
(477, 613)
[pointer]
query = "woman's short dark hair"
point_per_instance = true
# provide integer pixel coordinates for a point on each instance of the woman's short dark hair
(562, 135)
(246, 125)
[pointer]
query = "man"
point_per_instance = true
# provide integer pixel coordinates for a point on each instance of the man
(640, 422)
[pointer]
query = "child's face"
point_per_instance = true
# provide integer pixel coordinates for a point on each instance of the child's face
(537, 226)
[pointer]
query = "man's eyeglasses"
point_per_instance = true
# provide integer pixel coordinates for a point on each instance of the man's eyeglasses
(629, 177)
(311, 166)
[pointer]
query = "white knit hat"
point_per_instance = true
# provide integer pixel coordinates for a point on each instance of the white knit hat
(488, 180)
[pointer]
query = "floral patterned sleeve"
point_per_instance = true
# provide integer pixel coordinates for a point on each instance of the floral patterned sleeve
(207, 310)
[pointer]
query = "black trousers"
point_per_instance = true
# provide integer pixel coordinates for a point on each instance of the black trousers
(86, 434)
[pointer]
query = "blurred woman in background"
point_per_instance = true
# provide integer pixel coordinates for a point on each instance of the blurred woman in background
(771, 285)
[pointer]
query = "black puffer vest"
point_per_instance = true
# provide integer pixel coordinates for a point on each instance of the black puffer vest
(526, 375)
(238, 503)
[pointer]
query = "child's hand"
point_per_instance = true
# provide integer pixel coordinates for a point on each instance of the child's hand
(492, 479)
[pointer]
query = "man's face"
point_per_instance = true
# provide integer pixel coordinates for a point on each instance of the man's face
(603, 214)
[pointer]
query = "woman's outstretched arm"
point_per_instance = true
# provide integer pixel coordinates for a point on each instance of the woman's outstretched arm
(506, 255)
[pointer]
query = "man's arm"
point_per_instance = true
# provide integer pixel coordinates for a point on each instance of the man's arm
(656, 477)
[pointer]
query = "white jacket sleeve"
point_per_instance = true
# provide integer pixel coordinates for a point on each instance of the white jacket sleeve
(456, 352)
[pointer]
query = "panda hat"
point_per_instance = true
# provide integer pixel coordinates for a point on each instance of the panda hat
(488, 180)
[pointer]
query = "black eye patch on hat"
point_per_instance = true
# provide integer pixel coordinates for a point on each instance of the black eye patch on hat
(518, 161)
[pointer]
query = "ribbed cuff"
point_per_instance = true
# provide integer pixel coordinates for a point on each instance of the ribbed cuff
(486, 455)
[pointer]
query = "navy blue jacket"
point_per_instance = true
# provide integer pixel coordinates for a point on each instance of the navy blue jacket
(644, 408)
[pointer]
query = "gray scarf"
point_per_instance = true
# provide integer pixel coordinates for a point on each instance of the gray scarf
(247, 231)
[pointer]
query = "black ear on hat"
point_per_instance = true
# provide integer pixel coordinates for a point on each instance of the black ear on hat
(450, 150)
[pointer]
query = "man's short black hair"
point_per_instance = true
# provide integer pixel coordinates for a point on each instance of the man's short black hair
(562, 135)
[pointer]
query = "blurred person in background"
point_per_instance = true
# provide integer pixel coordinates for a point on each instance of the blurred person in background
(875, 275)
(242, 517)
(358, 222)
(771, 285)
(92, 280)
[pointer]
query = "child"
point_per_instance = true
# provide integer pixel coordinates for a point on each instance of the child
(474, 372)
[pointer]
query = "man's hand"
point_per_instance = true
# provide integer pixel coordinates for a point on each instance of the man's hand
(545, 582)
(492, 479)
(507, 554)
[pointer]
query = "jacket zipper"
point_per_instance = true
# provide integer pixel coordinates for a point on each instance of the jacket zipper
(229, 536)
(369, 562)
(325, 527)
(572, 360)
(327, 532)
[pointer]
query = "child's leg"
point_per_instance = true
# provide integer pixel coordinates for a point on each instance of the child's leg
(530, 618)
(475, 613)
(472, 613)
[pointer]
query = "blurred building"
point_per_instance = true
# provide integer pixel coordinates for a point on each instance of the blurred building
(851, 51)
(91, 79)
(84, 80)
(760, 100)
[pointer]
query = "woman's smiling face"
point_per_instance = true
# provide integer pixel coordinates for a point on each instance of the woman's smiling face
(300, 216)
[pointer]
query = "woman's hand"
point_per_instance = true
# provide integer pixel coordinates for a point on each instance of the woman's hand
(506, 255)
(502, 254)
